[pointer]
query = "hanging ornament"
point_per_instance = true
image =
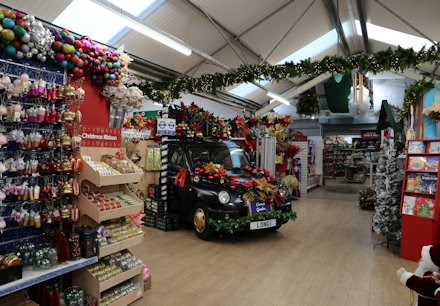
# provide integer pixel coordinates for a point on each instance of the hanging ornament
(410, 133)
(359, 97)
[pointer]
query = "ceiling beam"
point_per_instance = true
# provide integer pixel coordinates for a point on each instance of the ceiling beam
(331, 9)
(237, 37)
(306, 86)
(288, 31)
(361, 13)
(234, 37)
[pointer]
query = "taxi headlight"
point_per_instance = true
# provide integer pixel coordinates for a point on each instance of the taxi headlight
(283, 192)
(224, 197)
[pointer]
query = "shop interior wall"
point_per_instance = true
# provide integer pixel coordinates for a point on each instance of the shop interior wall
(218, 109)
(392, 90)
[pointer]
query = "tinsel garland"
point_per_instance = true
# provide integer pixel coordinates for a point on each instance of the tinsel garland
(232, 224)
(398, 59)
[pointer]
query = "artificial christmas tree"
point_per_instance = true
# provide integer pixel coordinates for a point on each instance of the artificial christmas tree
(387, 219)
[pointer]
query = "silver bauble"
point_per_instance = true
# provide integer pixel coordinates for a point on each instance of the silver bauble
(29, 55)
(29, 18)
(26, 38)
(24, 48)
(34, 51)
(43, 58)
(34, 37)
(19, 55)
(31, 44)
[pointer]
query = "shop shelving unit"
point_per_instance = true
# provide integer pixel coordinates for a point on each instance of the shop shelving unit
(89, 281)
(32, 277)
(334, 157)
(91, 215)
(420, 204)
(355, 171)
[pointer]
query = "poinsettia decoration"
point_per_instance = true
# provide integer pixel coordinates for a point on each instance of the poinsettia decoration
(194, 122)
(139, 123)
(261, 187)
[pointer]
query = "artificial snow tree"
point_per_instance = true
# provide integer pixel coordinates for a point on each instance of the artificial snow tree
(386, 218)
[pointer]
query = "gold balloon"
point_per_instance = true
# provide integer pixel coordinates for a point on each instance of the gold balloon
(8, 34)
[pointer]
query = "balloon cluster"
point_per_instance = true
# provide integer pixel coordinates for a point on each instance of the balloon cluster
(24, 37)
(82, 55)
(68, 52)
(107, 65)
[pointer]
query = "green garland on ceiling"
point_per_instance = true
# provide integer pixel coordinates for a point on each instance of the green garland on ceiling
(232, 224)
(398, 59)
(412, 95)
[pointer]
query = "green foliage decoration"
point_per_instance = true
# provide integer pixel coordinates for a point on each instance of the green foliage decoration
(412, 95)
(398, 59)
(232, 224)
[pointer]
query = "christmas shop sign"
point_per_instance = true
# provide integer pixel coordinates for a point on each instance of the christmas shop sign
(93, 136)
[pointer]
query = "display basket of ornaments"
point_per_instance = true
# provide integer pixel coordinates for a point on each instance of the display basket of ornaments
(109, 169)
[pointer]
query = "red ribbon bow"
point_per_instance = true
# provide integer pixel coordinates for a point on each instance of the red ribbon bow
(180, 178)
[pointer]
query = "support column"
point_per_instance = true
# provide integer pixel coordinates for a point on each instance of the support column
(164, 162)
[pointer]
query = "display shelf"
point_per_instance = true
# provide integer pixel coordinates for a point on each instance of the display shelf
(108, 180)
(87, 172)
(32, 277)
(420, 210)
(86, 279)
(421, 171)
(333, 161)
(88, 208)
(355, 170)
(129, 298)
(419, 193)
(423, 154)
(119, 246)
(93, 185)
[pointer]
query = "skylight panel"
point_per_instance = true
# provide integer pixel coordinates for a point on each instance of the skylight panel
(135, 8)
(393, 37)
(246, 89)
(95, 20)
(316, 47)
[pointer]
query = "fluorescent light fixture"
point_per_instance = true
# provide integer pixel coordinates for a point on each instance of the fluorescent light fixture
(157, 103)
(278, 98)
(393, 37)
(143, 29)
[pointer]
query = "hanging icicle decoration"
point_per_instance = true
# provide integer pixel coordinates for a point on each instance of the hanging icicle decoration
(359, 99)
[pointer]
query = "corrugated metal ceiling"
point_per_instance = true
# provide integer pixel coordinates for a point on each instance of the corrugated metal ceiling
(263, 23)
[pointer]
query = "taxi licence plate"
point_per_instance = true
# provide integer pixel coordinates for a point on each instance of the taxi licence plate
(256, 225)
